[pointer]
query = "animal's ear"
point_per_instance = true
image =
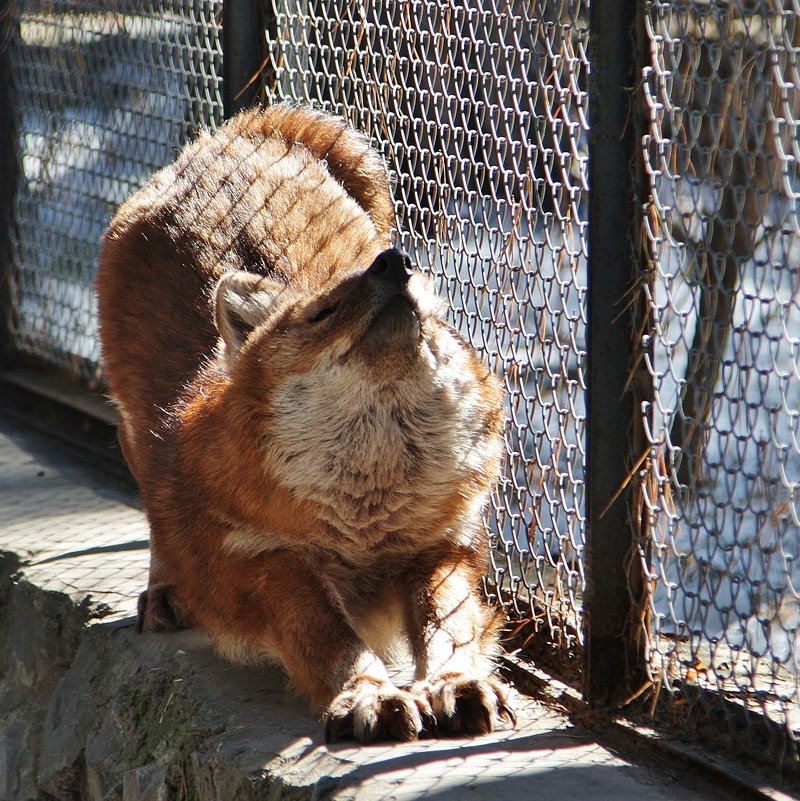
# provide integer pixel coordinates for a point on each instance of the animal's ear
(244, 301)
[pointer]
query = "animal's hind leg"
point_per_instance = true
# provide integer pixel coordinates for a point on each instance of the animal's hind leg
(158, 608)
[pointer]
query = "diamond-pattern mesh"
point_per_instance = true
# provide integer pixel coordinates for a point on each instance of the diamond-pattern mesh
(480, 110)
(722, 97)
(104, 94)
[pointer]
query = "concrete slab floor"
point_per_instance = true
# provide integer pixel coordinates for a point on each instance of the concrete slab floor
(82, 533)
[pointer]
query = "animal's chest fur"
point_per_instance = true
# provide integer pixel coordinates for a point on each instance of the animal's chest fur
(377, 465)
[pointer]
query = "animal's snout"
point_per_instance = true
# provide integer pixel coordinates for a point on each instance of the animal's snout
(391, 267)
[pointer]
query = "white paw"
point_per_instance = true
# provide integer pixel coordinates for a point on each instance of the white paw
(466, 705)
(377, 710)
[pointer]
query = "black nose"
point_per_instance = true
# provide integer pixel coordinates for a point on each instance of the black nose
(392, 267)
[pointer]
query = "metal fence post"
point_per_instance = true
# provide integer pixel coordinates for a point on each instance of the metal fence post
(615, 664)
(8, 179)
(242, 57)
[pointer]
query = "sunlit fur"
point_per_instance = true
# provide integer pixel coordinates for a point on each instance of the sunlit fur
(313, 443)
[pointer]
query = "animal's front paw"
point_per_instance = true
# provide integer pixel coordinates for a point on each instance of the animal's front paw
(466, 705)
(371, 710)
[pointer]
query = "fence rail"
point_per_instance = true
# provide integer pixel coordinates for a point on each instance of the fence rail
(646, 529)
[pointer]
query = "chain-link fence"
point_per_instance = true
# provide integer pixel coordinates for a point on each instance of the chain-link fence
(104, 94)
(722, 101)
(480, 112)
(480, 109)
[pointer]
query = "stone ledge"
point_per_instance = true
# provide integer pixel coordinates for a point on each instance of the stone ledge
(153, 717)
(95, 712)
(91, 711)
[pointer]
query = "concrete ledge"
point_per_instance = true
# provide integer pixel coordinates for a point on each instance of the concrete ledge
(159, 716)
(91, 711)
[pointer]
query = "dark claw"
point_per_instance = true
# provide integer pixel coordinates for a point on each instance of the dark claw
(337, 728)
(430, 726)
(506, 712)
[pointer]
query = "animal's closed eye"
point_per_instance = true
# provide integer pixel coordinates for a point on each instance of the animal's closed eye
(322, 314)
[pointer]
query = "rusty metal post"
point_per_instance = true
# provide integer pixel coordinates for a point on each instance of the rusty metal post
(242, 57)
(615, 662)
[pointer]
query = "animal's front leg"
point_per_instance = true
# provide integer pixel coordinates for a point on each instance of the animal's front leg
(454, 641)
(281, 606)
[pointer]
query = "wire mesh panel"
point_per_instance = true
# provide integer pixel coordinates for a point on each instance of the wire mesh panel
(480, 110)
(104, 93)
(722, 229)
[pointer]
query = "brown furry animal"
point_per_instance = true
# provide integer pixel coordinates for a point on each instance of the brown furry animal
(313, 443)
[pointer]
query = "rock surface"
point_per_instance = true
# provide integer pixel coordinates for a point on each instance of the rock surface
(92, 711)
